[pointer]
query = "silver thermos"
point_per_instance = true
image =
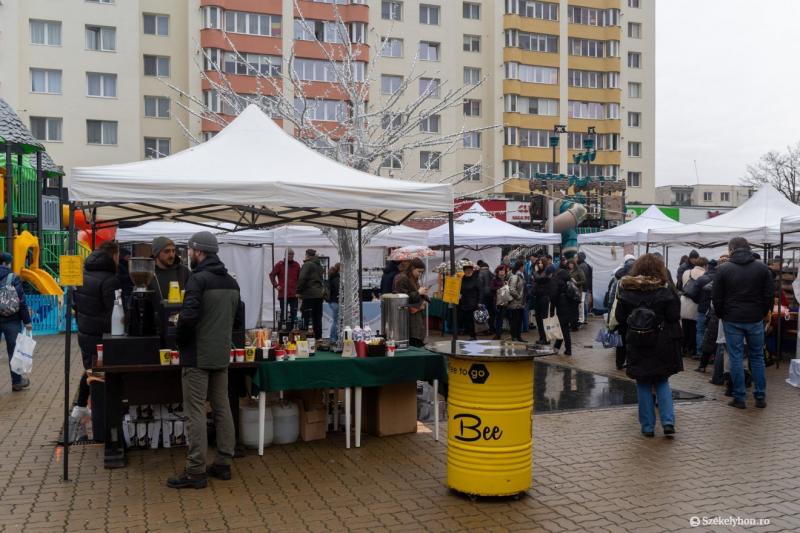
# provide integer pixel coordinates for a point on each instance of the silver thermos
(394, 319)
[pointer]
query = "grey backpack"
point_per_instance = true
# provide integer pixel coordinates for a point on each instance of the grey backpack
(9, 299)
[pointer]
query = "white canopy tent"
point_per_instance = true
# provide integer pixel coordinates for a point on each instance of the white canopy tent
(635, 231)
(178, 232)
(478, 228)
(254, 175)
(758, 220)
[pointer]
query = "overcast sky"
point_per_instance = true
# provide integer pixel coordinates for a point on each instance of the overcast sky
(727, 86)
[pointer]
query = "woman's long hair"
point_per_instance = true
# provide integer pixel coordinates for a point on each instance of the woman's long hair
(651, 266)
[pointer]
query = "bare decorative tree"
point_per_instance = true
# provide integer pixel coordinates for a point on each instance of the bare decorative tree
(365, 135)
(781, 170)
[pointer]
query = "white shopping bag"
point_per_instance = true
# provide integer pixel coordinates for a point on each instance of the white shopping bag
(552, 328)
(22, 361)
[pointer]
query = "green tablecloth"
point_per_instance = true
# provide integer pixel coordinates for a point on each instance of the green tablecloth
(331, 370)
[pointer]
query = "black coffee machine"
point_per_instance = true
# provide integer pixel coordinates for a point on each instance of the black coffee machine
(141, 310)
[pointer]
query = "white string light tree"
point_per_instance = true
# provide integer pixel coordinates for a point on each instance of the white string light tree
(343, 123)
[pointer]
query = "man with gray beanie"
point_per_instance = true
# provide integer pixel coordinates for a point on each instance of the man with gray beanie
(209, 314)
(168, 267)
(311, 289)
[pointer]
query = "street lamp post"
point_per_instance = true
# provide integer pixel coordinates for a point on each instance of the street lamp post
(554, 138)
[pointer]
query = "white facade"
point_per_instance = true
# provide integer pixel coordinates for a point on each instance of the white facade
(704, 195)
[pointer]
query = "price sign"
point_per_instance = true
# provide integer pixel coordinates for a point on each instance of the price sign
(452, 289)
(70, 270)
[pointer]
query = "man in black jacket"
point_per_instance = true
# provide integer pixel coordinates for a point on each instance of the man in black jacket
(588, 272)
(94, 303)
(743, 295)
(208, 317)
(470, 298)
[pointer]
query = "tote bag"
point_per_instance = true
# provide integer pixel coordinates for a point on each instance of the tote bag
(552, 329)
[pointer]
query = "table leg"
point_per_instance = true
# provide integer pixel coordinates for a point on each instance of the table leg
(358, 417)
(262, 411)
(347, 418)
(436, 409)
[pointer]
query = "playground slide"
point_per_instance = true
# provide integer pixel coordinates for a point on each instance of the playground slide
(43, 281)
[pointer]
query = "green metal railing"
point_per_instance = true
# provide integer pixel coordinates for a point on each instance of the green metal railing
(53, 246)
(24, 187)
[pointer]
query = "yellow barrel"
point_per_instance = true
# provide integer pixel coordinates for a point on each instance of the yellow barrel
(490, 425)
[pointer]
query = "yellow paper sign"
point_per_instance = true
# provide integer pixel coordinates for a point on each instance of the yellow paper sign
(452, 289)
(70, 270)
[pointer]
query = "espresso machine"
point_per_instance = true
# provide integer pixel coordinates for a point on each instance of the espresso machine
(141, 313)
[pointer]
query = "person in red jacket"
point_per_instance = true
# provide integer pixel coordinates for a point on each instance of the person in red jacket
(279, 281)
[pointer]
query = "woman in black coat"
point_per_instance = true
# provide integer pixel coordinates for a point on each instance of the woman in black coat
(470, 298)
(652, 313)
(564, 308)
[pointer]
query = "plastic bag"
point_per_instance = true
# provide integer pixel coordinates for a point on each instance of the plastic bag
(22, 361)
(552, 328)
(609, 339)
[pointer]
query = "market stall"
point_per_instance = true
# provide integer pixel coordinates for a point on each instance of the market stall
(273, 180)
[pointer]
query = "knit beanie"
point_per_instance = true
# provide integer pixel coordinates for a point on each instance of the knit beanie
(204, 241)
(159, 243)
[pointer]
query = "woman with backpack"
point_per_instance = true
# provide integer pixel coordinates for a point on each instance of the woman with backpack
(14, 314)
(651, 311)
(564, 304)
(690, 296)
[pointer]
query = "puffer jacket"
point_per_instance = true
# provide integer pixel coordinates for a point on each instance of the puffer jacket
(210, 313)
(688, 306)
(516, 286)
(663, 359)
(743, 289)
(705, 283)
(566, 309)
(94, 301)
(470, 292)
(309, 283)
(23, 314)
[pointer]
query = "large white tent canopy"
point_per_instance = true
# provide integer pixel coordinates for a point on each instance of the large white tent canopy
(634, 231)
(252, 174)
(178, 232)
(477, 228)
(758, 220)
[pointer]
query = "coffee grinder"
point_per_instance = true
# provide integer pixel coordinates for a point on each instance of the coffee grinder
(141, 313)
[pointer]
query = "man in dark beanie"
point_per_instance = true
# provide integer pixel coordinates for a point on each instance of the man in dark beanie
(310, 289)
(168, 267)
(209, 314)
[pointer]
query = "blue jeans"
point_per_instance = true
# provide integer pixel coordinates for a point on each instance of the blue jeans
(700, 332)
(10, 329)
(335, 320)
(735, 335)
(647, 409)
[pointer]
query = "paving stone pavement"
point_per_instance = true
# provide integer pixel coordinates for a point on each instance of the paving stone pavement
(593, 471)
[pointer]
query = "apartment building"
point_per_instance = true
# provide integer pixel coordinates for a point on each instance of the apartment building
(84, 75)
(704, 195)
(91, 79)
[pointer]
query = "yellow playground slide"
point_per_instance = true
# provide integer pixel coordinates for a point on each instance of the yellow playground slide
(41, 280)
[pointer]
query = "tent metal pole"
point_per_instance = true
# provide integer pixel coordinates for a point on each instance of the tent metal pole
(360, 277)
(454, 324)
(272, 260)
(285, 313)
(780, 298)
(68, 344)
(647, 248)
(9, 191)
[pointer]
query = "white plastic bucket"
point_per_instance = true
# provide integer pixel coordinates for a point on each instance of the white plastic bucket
(248, 426)
(286, 421)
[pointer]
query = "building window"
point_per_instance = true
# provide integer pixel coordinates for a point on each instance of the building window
(322, 110)
(708, 196)
(393, 161)
(46, 32)
(725, 196)
(472, 76)
(634, 179)
(634, 149)
(634, 30)
(472, 172)
(591, 110)
(255, 64)
(472, 11)
(46, 81)
(593, 17)
(358, 32)
(472, 139)
(612, 111)
(156, 106)
(532, 73)
(156, 66)
(430, 124)
(101, 38)
(391, 10)
(47, 128)
(101, 84)
(429, 15)
(472, 108)
(101, 132)
(212, 17)
(590, 79)
(429, 87)
(634, 60)
(633, 3)
(429, 160)
(535, 42)
(156, 24)
(253, 23)
(155, 148)
(429, 51)
(392, 121)
(634, 89)
(390, 84)
(533, 9)
(592, 47)
(472, 43)
(634, 119)
(392, 47)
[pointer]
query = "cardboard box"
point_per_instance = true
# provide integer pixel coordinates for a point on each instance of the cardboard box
(311, 399)
(391, 409)
(313, 423)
